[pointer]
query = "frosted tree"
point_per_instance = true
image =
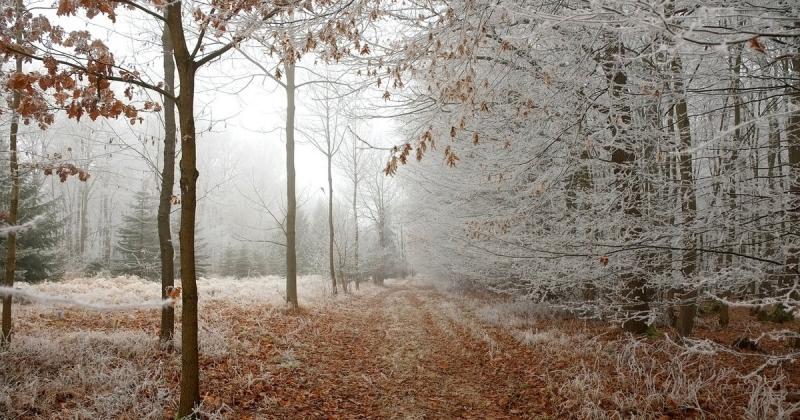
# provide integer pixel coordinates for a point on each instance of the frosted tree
(621, 169)
(138, 245)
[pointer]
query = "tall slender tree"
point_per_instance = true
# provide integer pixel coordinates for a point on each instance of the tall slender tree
(687, 308)
(13, 212)
(329, 143)
(353, 164)
(166, 197)
(291, 198)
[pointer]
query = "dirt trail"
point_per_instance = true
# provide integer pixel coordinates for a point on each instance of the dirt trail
(397, 352)
(404, 352)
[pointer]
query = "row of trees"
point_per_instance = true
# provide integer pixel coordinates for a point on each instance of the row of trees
(136, 249)
(623, 160)
(264, 254)
(53, 69)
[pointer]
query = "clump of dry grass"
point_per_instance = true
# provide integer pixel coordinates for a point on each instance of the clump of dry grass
(549, 337)
(519, 313)
(629, 377)
(69, 361)
(88, 374)
(604, 374)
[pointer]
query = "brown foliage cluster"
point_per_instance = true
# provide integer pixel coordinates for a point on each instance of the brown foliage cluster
(449, 54)
(400, 154)
(65, 170)
(79, 84)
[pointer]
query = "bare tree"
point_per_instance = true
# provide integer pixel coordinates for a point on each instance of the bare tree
(291, 199)
(353, 166)
(332, 137)
(166, 197)
(380, 193)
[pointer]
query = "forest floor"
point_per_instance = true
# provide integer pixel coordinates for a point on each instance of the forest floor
(401, 351)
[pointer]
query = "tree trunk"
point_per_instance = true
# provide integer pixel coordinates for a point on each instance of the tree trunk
(83, 229)
(773, 170)
(291, 201)
(687, 308)
(724, 315)
(403, 270)
(624, 160)
(13, 211)
(355, 216)
(793, 141)
(330, 220)
(381, 272)
(730, 168)
(165, 200)
(580, 180)
(106, 232)
(190, 370)
(734, 156)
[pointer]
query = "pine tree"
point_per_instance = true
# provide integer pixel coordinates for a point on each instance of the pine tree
(39, 256)
(228, 262)
(138, 246)
(275, 257)
(202, 256)
(242, 263)
(258, 262)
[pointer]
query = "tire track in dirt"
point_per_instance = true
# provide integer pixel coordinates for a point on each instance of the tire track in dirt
(392, 354)
(449, 372)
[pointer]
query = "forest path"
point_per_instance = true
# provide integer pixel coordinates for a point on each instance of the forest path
(403, 352)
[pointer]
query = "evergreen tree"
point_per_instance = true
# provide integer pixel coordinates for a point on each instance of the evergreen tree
(258, 262)
(228, 262)
(202, 256)
(242, 263)
(202, 253)
(39, 255)
(275, 257)
(138, 246)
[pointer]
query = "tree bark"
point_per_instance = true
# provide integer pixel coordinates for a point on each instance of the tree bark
(83, 227)
(355, 215)
(165, 200)
(190, 370)
(106, 232)
(793, 141)
(624, 160)
(291, 200)
(687, 308)
(330, 219)
(13, 211)
(381, 274)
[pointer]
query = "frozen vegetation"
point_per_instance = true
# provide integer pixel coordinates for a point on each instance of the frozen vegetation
(382, 209)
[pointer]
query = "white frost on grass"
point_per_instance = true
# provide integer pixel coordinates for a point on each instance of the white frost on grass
(53, 300)
(89, 373)
(119, 373)
(518, 313)
(546, 337)
(100, 292)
